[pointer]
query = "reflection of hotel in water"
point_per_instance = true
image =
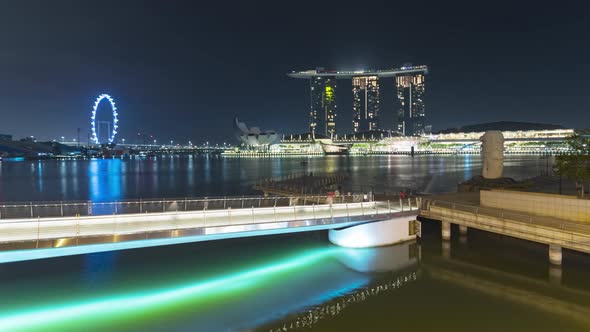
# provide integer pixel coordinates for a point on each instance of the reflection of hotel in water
(409, 109)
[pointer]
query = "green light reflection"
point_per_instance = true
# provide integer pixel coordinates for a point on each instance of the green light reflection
(115, 307)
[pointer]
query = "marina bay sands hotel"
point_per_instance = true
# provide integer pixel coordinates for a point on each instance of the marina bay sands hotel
(409, 106)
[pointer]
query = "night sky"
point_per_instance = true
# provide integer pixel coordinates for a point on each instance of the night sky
(183, 69)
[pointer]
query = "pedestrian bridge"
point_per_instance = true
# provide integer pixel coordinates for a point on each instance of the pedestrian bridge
(86, 227)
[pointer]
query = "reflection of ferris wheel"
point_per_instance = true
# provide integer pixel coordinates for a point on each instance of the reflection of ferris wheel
(96, 125)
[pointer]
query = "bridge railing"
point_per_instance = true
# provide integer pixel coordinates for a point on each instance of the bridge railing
(89, 208)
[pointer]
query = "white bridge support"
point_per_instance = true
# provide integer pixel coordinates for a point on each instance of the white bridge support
(376, 234)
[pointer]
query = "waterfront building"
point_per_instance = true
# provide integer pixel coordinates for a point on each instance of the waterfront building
(323, 105)
(411, 113)
(410, 94)
(365, 107)
(253, 136)
(537, 142)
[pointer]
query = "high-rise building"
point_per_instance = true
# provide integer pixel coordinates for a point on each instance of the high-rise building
(411, 113)
(323, 105)
(409, 109)
(365, 104)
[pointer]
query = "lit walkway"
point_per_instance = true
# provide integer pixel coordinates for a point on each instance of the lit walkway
(465, 210)
(33, 238)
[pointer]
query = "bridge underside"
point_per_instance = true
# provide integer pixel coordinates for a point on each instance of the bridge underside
(30, 250)
(29, 239)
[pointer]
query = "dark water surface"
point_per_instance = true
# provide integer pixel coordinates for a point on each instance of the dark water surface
(113, 179)
(482, 282)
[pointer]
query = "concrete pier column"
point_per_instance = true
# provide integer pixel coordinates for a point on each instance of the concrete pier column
(462, 234)
(555, 274)
(463, 239)
(446, 249)
(445, 230)
(554, 254)
(462, 230)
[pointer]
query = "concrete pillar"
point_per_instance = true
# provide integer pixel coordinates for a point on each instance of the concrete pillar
(555, 274)
(462, 230)
(554, 254)
(463, 239)
(446, 230)
(446, 250)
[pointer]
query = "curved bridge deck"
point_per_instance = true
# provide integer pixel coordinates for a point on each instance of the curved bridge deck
(35, 238)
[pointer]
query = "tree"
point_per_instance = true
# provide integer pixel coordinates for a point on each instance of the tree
(576, 165)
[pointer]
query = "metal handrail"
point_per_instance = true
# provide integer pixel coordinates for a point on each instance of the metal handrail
(120, 207)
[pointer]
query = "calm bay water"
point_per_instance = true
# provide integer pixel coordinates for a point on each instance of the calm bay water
(295, 282)
(106, 180)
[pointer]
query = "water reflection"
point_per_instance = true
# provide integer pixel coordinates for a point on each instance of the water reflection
(381, 259)
(466, 168)
(384, 269)
(548, 295)
(104, 177)
(98, 269)
(252, 296)
(336, 305)
(173, 176)
(40, 176)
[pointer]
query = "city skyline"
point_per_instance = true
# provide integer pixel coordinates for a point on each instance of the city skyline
(189, 76)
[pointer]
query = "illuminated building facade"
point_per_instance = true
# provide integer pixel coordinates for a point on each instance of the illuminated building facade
(365, 107)
(409, 109)
(323, 105)
(411, 112)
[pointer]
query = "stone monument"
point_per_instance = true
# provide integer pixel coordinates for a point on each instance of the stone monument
(492, 153)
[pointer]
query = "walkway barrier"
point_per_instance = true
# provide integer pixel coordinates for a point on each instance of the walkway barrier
(88, 208)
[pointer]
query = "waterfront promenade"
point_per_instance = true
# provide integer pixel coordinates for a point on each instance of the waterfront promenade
(491, 211)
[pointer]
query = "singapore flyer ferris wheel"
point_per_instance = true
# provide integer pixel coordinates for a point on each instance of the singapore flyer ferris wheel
(102, 132)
